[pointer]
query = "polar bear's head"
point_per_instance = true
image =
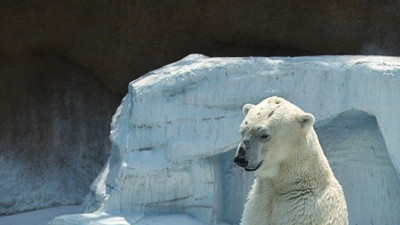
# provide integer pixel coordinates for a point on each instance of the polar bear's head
(271, 132)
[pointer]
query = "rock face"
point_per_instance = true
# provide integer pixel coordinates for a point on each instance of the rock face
(54, 123)
(120, 40)
(175, 133)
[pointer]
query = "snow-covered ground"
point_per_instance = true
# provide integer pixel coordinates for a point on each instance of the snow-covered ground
(174, 135)
(38, 217)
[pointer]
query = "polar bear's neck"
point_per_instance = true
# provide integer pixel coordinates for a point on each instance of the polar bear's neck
(299, 172)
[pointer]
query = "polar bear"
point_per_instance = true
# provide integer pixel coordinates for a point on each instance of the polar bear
(294, 183)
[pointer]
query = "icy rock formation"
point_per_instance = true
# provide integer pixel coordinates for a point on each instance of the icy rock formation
(173, 137)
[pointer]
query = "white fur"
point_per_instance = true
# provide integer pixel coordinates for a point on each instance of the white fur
(295, 184)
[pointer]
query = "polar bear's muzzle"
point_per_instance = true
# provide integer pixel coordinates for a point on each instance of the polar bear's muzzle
(240, 157)
(242, 161)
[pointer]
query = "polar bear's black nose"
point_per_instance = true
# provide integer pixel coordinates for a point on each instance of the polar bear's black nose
(240, 160)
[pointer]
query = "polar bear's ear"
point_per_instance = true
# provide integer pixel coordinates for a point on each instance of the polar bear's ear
(306, 120)
(246, 108)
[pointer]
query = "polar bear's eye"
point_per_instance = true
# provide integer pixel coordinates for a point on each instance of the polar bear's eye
(264, 136)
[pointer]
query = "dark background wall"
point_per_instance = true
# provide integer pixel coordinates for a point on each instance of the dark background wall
(65, 65)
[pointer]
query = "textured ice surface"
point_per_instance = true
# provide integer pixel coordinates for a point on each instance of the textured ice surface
(359, 158)
(174, 135)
